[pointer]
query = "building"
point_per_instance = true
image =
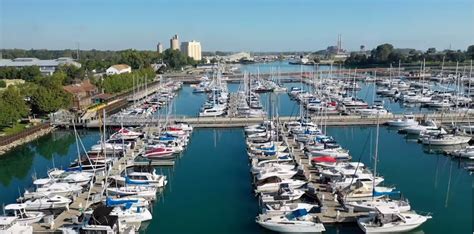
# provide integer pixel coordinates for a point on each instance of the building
(118, 69)
(192, 49)
(159, 48)
(174, 42)
(82, 93)
(46, 67)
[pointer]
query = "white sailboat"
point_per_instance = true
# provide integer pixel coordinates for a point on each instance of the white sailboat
(10, 225)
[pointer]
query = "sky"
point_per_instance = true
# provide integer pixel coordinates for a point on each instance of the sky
(236, 25)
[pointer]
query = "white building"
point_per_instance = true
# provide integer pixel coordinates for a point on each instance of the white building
(159, 48)
(118, 69)
(46, 67)
(192, 49)
(174, 42)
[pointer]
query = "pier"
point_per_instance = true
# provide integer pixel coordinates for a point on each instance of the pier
(225, 122)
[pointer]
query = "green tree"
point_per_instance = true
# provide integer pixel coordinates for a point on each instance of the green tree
(3, 84)
(72, 73)
(12, 105)
(381, 53)
(49, 99)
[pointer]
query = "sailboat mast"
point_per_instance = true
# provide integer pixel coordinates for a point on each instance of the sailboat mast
(376, 155)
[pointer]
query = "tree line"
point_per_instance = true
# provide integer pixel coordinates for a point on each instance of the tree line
(100, 60)
(126, 81)
(386, 54)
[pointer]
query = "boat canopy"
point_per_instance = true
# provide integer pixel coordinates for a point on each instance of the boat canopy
(376, 194)
(297, 213)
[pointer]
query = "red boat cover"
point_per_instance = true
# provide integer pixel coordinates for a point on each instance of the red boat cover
(328, 159)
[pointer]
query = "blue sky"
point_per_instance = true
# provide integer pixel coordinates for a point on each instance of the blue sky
(236, 25)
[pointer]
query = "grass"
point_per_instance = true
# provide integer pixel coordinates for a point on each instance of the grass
(18, 127)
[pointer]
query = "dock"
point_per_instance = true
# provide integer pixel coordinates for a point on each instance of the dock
(331, 120)
(83, 201)
(331, 210)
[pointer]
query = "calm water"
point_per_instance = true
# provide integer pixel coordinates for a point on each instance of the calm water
(210, 187)
(56, 149)
(282, 66)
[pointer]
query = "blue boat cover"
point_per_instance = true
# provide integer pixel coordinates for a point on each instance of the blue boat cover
(128, 203)
(129, 181)
(376, 194)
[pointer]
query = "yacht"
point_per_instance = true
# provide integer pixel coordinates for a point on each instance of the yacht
(71, 177)
(133, 190)
(279, 172)
(132, 216)
(418, 129)
(390, 220)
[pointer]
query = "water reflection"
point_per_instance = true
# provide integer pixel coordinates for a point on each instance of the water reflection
(15, 164)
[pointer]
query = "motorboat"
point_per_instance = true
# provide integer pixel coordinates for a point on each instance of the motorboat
(372, 204)
(141, 178)
(406, 121)
(467, 152)
(46, 187)
(71, 177)
(23, 216)
(388, 219)
(280, 209)
(10, 225)
(46, 203)
(445, 139)
(285, 193)
(279, 172)
(132, 216)
(295, 222)
(160, 153)
(418, 129)
(133, 190)
(270, 185)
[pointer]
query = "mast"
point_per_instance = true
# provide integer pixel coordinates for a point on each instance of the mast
(376, 155)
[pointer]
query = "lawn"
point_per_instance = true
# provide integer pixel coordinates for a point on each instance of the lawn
(18, 127)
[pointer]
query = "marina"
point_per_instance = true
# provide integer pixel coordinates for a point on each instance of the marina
(213, 132)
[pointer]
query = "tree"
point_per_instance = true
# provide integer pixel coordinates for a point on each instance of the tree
(12, 106)
(72, 73)
(431, 50)
(46, 100)
(3, 84)
(381, 53)
(470, 52)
